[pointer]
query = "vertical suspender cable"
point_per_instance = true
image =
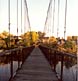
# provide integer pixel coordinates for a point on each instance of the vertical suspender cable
(65, 19)
(58, 19)
(29, 23)
(27, 14)
(9, 20)
(53, 18)
(21, 16)
(50, 17)
(17, 19)
(47, 17)
(27, 18)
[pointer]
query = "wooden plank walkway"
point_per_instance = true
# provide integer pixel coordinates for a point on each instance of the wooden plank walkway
(35, 68)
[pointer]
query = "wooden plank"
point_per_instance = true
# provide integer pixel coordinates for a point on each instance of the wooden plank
(35, 68)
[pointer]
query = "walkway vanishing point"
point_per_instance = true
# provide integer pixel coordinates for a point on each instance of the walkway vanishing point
(35, 68)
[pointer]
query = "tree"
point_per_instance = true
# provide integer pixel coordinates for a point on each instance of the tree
(4, 36)
(29, 38)
(41, 35)
(70, 46)
(53, 42)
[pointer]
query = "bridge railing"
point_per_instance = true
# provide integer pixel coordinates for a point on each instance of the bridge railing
(14, 59)
(58, 59)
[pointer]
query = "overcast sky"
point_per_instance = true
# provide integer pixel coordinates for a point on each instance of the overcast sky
(37, 15)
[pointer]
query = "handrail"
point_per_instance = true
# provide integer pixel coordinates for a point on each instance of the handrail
(68, 54)
(52, 56)
(11, 50)
(19, 54)
(8, 51)
(61, 52)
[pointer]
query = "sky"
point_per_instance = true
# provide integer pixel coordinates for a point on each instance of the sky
(37, 10)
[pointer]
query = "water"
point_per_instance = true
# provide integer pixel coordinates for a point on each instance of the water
(5, 67)
(69, 74)
(4, 72)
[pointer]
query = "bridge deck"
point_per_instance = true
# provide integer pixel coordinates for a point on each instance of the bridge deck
(35, 68)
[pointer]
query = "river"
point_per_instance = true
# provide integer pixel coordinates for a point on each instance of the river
(69, 74)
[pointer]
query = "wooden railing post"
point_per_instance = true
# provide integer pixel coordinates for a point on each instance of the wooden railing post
(55, 61)
(11, 66)
(18, 59)
(22, 55)
(62, 59)
(50, 56)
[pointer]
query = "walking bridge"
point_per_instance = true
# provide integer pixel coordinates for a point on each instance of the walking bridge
(39, 63)
(35, 68)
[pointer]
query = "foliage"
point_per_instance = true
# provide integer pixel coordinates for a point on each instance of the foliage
(29, 38)
(70, 46)
(41, 35)
(63, 45)
(5, 40)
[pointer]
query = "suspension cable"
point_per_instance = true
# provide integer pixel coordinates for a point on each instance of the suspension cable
(9, 20)
(47, 17)
(65, 19)
(58, 19)
(24, 16)
(17, 19)
(50, 18)
(53, 18)
(21, 16)
(26, 9)
(27, 16)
